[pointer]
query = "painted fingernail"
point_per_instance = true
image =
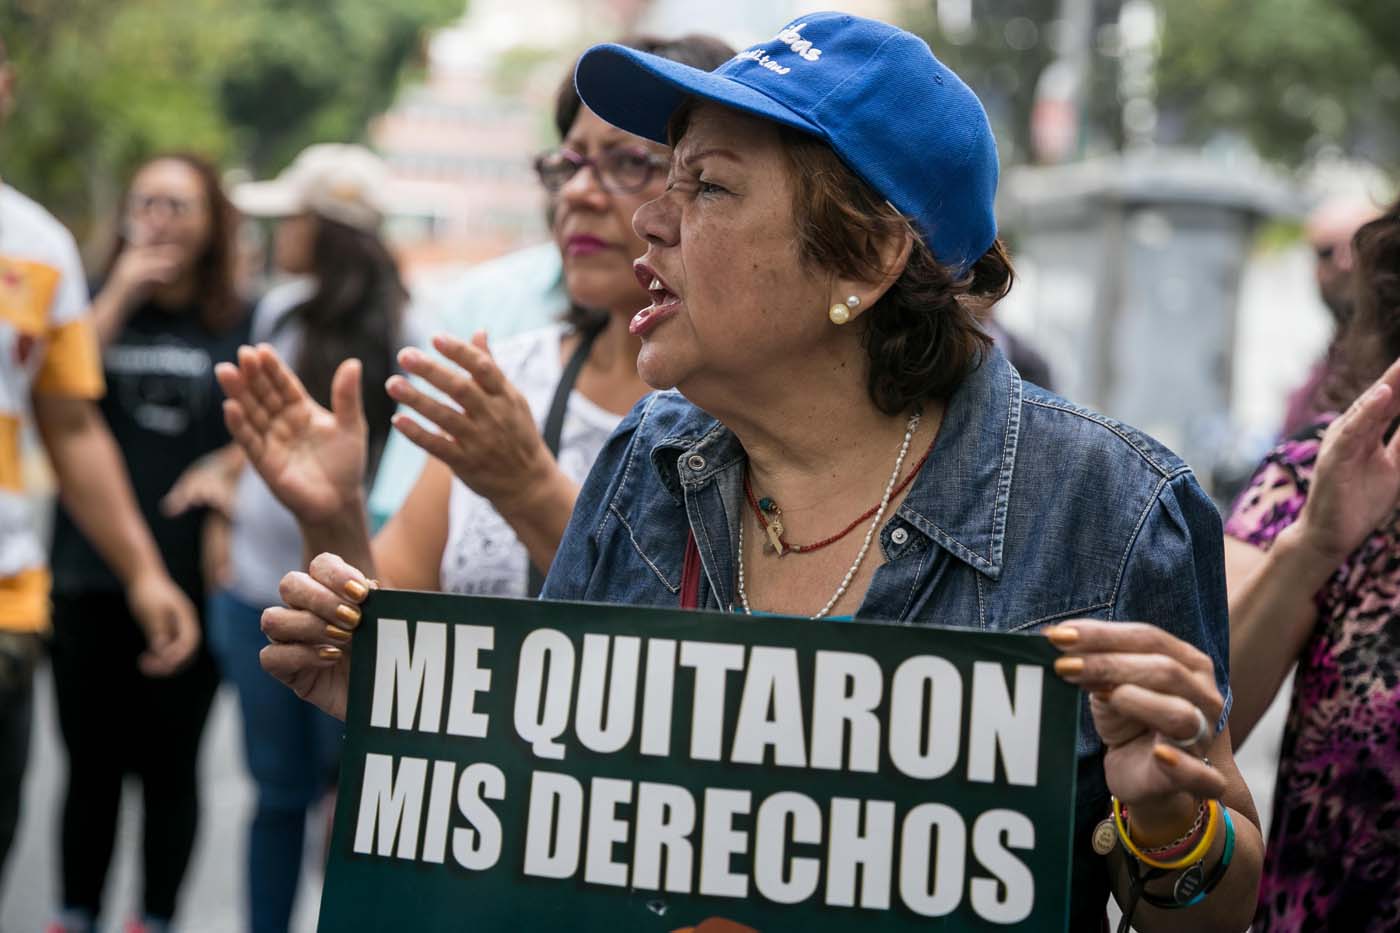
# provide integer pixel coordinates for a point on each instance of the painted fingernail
(1069, 667)
(348, 615)
(356, 590)
(1062, 635)
(339, 634)
(1166, 755)
(330, 652)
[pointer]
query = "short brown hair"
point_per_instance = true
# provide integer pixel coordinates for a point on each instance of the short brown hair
(924, 335)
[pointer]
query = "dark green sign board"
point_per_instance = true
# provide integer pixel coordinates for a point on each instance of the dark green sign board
(521, 765)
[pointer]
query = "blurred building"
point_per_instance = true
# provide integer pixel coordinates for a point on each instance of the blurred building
(460, 143)
(1131, 269)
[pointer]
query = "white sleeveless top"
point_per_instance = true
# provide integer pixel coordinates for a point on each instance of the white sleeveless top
(483, 557)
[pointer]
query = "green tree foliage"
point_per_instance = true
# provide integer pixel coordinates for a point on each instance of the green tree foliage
(105, 83)
(1289, 75)
(310, 69)
(1001, 58)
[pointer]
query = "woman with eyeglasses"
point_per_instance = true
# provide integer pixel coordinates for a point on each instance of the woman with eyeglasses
(166, 312)
(514, 429)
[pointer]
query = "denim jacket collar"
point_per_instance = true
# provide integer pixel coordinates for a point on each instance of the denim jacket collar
(960, 498)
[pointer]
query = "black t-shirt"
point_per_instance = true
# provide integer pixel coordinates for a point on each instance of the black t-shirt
(165, 410)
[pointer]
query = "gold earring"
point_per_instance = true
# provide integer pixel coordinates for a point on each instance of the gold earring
(841, 313)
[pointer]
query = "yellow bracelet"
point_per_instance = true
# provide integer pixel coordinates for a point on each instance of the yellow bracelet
(1197, 853)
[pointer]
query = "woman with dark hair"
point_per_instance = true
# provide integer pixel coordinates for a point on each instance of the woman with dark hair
(536, 290)
(834, 438)
(1313, 564)
(514, 429)
(343, 299)
(167, 311)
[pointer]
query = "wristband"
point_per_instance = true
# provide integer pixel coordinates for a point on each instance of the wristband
(1180, 846)
(1174, 903)
(1197, 852)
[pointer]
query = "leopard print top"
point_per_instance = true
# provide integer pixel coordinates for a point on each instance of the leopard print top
(1333, 859)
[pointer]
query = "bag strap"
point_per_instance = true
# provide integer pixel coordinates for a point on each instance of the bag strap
(690, 574)
(554, 422)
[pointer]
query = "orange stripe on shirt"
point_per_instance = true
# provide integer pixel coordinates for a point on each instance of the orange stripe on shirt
(27, 289)
(24, 601)
(72, 365)
(11, 464)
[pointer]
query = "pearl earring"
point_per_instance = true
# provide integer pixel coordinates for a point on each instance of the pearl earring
(841, 313)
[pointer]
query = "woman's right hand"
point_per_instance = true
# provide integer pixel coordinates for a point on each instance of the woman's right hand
(139, 269)
(312, 459)
(309, 639)
(1356, 484)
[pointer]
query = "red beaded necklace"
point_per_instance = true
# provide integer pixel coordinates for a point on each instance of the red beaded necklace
(769, 514)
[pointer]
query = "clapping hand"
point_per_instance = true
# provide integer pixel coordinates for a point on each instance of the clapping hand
(312, 459)
(485, 430)
(1356, 483)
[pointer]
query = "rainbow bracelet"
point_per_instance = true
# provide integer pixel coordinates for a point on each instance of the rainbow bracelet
(1215, 876)
(1197, 852)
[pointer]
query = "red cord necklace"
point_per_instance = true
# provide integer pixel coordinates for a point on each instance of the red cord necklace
(769, 515)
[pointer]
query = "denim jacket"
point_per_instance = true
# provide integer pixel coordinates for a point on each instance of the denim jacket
(1029, 510)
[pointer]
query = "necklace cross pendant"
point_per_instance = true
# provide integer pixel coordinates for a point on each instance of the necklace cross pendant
(775, 535)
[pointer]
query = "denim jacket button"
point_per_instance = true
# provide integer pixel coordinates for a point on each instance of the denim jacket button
(695, 462)
(899, 536)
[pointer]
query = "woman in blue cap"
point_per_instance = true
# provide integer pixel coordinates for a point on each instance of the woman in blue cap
(836, 438)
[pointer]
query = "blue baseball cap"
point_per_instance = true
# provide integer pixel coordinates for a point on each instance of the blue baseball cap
(895, 114)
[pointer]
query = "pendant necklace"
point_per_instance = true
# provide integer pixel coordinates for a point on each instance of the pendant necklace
(775, 535)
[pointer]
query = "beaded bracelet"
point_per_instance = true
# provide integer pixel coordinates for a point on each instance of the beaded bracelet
(1190, 858)
(1218, 873)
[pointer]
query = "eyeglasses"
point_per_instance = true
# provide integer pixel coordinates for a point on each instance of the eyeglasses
(1329, 252)
(619, 170)
(141, 204)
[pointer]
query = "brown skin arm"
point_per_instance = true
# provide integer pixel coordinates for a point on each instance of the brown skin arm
(407, 551)
(1149, 690)
(95, 490)
(1272, 613)
(1231, 905)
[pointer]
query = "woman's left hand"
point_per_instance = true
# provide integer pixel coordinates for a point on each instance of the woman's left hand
(1150, 692)
(210, 483)
(168, 620)
(487, 433)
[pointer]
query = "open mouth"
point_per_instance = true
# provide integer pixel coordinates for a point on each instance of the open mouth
(664, 302)
(660, 294)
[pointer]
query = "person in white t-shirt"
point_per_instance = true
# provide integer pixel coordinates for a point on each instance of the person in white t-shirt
(50, 367)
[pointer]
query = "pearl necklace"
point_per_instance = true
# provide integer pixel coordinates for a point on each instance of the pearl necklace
(909, 431)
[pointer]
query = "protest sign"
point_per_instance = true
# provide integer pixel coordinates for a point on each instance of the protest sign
(523, 765)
